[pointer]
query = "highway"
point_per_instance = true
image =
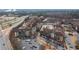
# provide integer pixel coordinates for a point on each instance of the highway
(5, 43)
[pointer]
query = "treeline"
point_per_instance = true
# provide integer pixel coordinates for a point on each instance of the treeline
(50, 13)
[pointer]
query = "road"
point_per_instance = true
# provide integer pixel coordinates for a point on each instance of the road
(46, 45)
(28, 44)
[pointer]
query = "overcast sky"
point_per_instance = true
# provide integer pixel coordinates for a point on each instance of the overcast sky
(39, 4)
